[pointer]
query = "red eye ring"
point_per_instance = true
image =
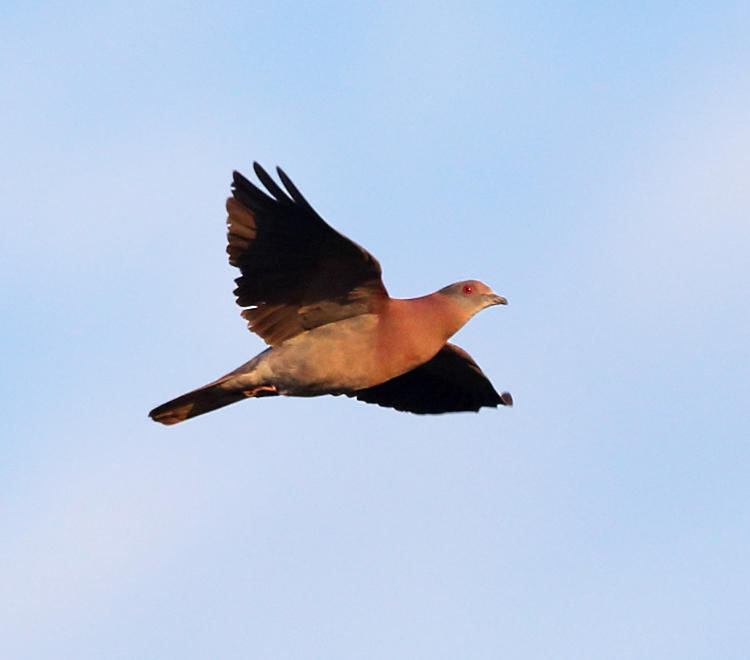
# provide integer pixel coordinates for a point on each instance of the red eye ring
(468, 290)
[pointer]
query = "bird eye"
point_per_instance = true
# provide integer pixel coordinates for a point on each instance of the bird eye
(468, 290)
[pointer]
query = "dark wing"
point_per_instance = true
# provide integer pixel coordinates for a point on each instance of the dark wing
(297, 271)
(449, 382)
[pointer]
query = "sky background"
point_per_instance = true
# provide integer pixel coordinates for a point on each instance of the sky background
(589, 161)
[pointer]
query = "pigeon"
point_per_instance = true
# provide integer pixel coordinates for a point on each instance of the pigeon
(317, 299)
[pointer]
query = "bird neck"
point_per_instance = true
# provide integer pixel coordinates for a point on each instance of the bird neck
(433, 318)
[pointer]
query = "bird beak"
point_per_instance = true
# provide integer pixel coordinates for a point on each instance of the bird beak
(497, 300)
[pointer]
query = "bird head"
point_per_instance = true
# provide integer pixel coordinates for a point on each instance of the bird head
(472, 296)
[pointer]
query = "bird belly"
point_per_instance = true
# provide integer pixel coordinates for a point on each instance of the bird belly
(330, 359)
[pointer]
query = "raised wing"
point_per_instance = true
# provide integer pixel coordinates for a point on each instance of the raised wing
(297, 271)
(449, 382)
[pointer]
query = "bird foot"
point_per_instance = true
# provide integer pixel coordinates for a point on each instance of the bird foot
(261, 390)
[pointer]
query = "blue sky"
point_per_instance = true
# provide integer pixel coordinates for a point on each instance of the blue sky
(588, 161)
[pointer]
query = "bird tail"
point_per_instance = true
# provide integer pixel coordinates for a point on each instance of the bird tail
(205, 399)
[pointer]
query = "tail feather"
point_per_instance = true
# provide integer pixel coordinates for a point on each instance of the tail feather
(203, 400)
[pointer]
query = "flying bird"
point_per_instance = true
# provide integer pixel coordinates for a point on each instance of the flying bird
(318, 300)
